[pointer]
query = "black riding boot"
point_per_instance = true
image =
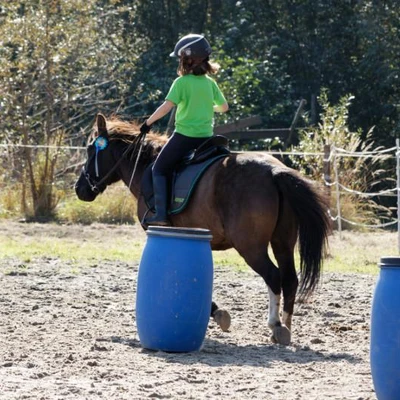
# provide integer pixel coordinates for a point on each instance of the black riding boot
(161, 202)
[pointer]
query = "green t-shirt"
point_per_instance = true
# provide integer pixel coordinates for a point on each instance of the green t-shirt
(195, 97)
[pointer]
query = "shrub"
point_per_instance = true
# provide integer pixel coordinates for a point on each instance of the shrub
(355, 174)
(115, 206)
(10, 201)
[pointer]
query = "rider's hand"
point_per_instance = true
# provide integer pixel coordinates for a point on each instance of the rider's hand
(144, 128)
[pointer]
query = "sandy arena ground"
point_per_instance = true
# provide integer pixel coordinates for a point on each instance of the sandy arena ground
(67, 334)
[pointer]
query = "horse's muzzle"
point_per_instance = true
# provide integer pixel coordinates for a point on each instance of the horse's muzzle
(83, 190)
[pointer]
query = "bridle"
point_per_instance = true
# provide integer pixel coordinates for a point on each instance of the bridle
(95, 184)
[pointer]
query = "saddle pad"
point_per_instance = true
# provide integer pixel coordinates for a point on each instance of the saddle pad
(183, 184)
(185, 181)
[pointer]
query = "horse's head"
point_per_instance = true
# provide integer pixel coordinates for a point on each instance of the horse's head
(99, 170)
(111, 143)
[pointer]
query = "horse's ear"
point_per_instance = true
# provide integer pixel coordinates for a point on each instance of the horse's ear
(101, 125)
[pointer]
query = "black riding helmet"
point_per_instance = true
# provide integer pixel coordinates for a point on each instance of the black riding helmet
(192, 45)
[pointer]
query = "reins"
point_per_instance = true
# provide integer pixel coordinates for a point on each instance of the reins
(142, 136)
(94, 185)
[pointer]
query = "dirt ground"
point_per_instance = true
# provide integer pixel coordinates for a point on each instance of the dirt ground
(68, 335)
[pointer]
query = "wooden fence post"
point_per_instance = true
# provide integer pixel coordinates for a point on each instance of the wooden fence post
(294, 122)
(314, 116)
(327, 171)
(337, 186)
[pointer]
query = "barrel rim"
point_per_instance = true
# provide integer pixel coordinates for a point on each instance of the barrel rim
(390, 261)
(180, 232)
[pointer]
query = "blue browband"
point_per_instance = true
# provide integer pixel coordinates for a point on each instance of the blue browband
(100, 144)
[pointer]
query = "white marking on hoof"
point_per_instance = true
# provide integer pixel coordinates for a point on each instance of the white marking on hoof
(223, 319)
(273, 309)
(287, 320)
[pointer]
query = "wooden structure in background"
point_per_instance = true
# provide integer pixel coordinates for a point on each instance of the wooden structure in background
(239, 130)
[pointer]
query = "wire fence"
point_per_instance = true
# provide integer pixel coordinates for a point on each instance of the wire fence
(74, 157)
(331, 156)
(385, 154)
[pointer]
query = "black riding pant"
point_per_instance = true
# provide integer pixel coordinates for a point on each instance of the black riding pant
(177, 147)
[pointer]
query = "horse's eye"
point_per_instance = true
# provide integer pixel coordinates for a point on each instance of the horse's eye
(90, 148)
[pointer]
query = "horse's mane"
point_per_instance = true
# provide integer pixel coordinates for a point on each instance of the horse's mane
(129, 130)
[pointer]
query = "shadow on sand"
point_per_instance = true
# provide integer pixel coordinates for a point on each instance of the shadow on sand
(217, 353)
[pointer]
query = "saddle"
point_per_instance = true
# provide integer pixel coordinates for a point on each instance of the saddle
(187, 174)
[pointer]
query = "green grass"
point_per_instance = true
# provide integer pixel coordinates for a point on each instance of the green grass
(355, 252)
(82, 245)
(230, 258)
(75, 250)
(69, 249)
(360, 252)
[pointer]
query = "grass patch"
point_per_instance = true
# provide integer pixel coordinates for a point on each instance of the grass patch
(76, 250)
(230, 258)
(356, 252)
(360, 252)
(92, 244)
(73, 250)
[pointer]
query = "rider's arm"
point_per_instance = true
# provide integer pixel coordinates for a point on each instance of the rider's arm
(221, 108)
(161, 111)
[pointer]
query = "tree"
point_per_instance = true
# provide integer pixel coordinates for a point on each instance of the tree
(38, 49)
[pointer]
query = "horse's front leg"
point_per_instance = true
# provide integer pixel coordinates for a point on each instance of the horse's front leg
(221, 317)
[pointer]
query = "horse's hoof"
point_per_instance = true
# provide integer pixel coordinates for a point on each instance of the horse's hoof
(281, 335)
(223, 319)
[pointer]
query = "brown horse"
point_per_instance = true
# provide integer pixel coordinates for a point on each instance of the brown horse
(247, 200)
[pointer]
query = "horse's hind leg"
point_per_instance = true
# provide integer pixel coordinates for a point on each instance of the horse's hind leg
(221, 317)
(283, 243)
(289, 281)
(258, 259)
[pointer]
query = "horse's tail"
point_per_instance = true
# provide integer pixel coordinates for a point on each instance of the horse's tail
(311, 210)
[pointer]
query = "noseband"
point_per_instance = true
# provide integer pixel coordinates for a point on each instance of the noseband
(93, 183)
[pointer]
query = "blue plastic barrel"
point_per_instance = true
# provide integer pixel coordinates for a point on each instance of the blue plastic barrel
(385, 331)
(174, 289)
